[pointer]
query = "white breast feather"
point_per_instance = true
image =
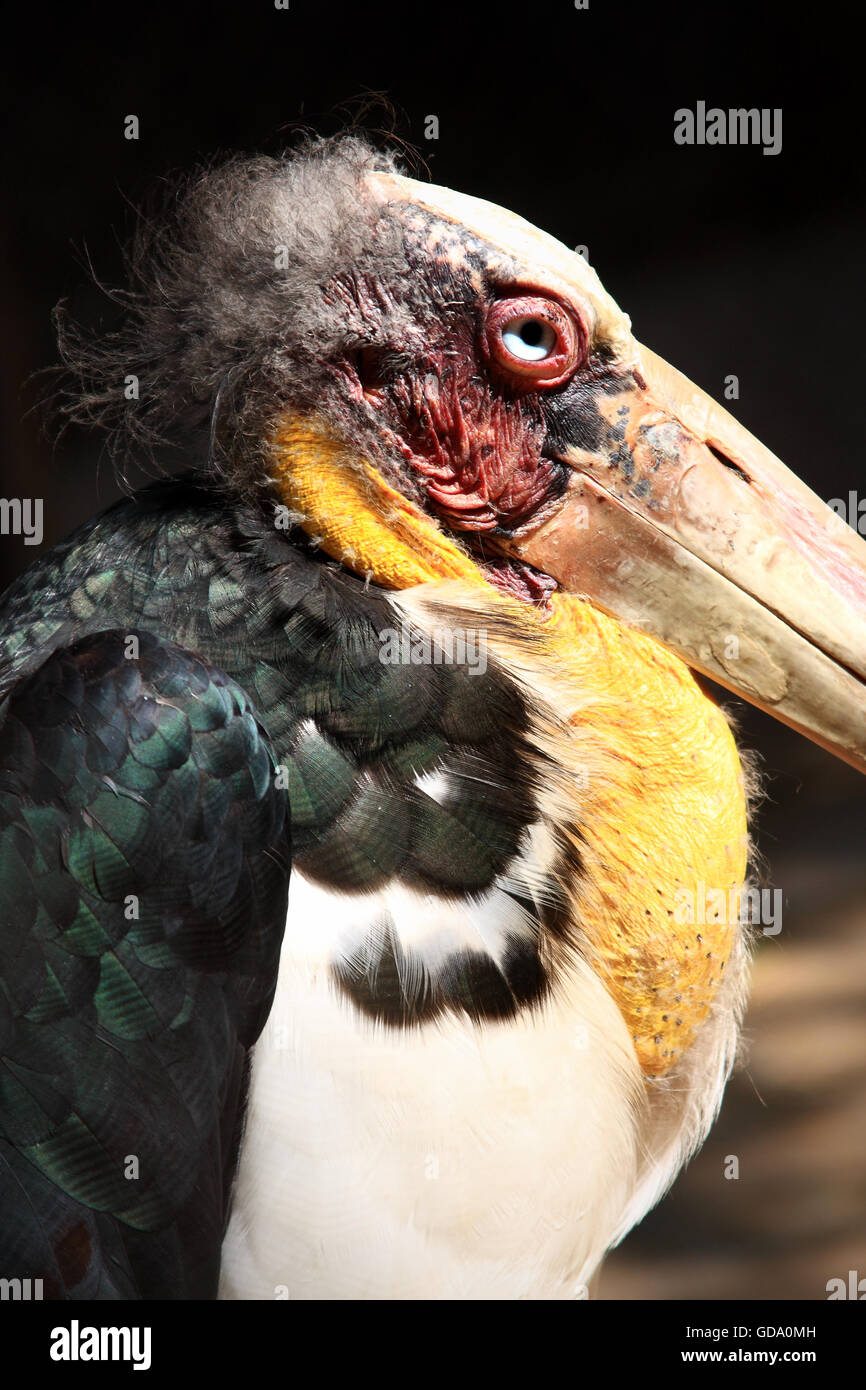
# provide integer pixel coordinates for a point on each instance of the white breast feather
(377, 1164)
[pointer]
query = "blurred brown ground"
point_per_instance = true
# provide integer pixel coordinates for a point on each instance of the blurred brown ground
(795, 1112)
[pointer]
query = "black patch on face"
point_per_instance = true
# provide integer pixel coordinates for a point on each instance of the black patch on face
(573, 418)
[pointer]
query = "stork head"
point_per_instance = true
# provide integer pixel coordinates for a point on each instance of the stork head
(536, 426)
(389, 354)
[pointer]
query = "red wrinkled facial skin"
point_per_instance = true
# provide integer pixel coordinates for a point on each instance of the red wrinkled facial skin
(464, 415)
(477, 453)
(520, 581)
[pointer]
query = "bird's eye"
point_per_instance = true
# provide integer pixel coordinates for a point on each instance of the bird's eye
(534, 339)
(529, 339)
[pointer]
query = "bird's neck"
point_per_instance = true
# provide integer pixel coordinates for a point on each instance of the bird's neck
(356, 516)
(658, 802)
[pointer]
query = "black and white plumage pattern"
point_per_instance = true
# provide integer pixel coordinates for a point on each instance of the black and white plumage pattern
(168, 778)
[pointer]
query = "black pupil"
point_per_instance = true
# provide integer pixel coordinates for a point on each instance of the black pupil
(531, 332)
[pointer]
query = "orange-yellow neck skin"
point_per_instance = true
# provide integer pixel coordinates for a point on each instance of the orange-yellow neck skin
(664, 826)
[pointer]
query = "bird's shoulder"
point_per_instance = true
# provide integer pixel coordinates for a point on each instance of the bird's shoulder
(408, 762)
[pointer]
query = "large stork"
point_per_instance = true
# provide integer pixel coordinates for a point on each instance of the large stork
(370, 846)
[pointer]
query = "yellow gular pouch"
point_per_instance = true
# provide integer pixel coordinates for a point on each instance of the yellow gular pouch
(662, 825)
(665, 830)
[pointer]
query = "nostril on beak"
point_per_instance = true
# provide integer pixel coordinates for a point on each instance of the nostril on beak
(729, 463)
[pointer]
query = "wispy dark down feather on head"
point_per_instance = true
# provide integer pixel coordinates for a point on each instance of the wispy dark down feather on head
(259, 285)
(363, 809)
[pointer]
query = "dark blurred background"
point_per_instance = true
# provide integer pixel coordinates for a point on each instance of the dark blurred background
(729, 261)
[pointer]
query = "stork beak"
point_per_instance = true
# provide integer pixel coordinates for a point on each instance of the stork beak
(679, 522)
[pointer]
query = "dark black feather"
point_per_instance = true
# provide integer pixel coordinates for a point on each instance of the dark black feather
(144, 860)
